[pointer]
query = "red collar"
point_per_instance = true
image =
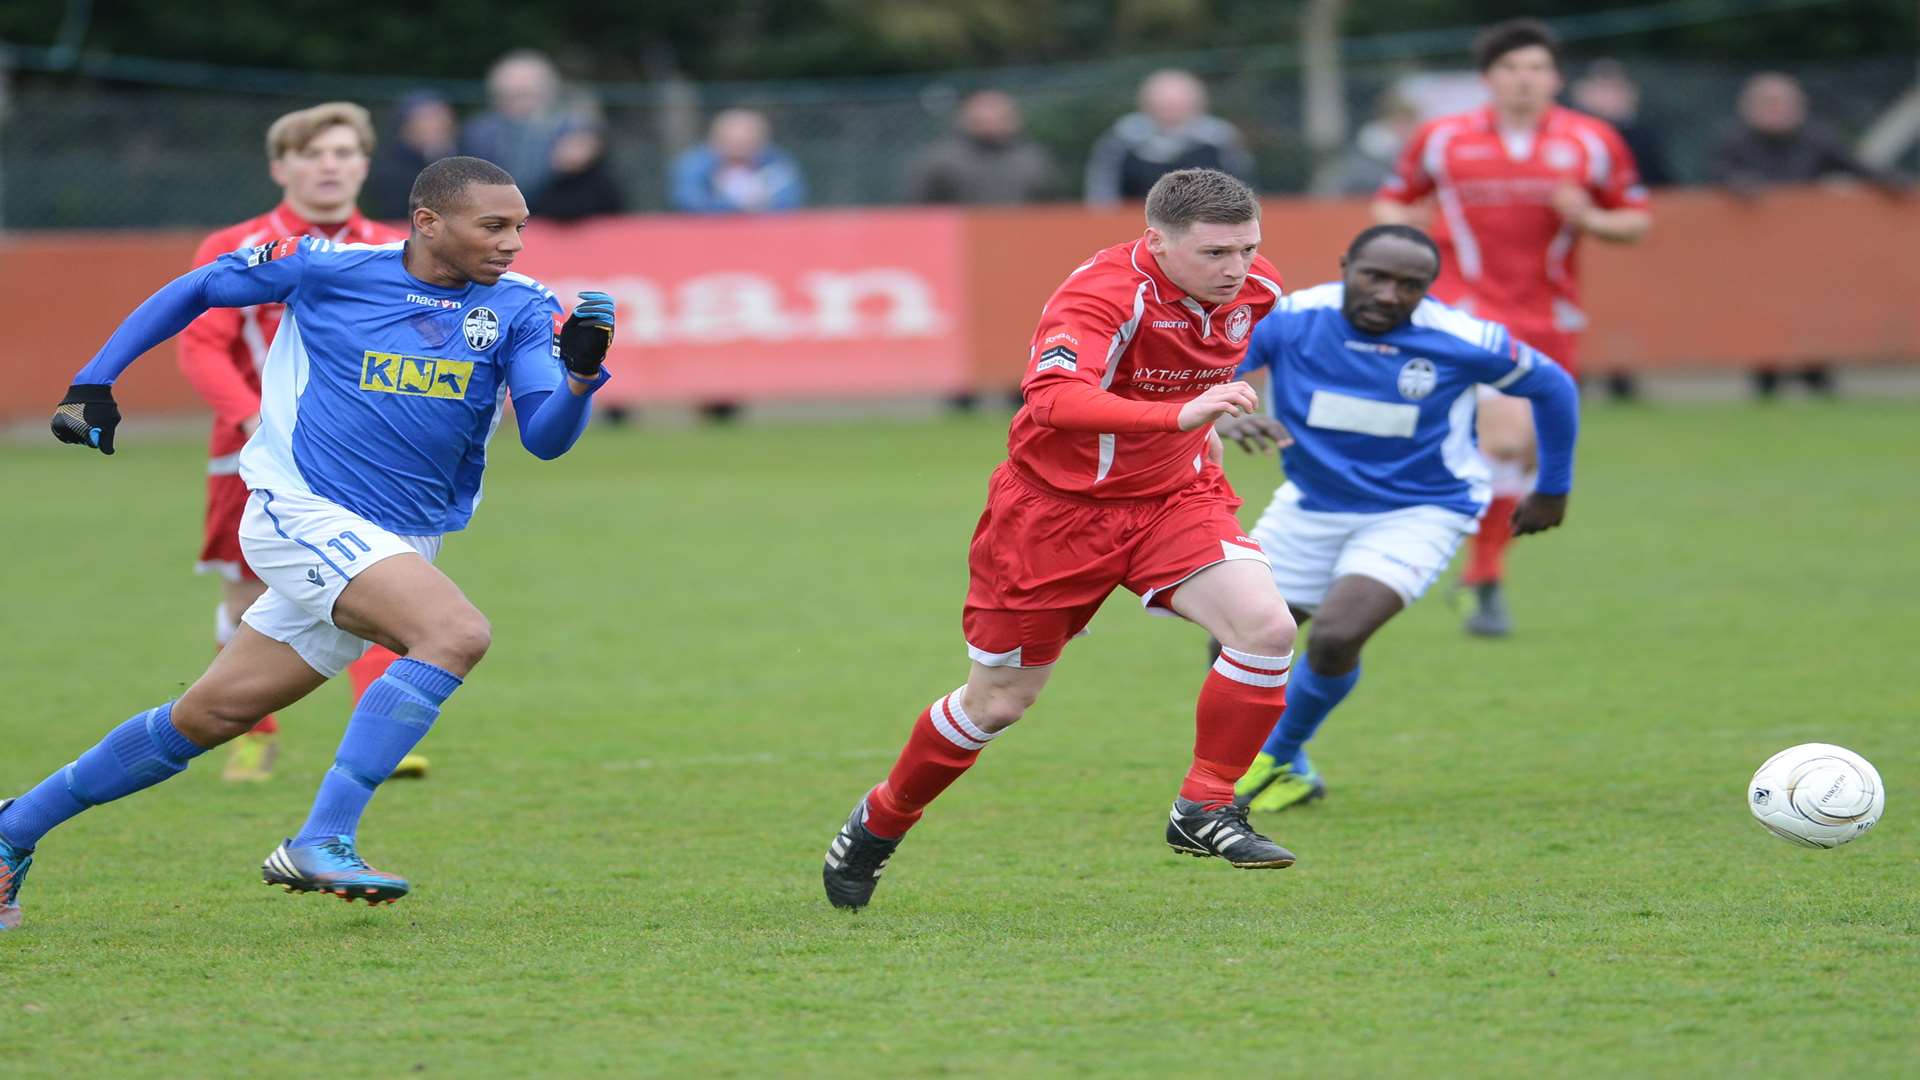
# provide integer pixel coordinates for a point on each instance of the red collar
(1164, 290)
(1490, 119)
(286, 222)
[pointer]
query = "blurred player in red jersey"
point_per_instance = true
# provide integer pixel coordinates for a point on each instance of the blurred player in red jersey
(1515, 185)
(319, 158)
(1113, 479)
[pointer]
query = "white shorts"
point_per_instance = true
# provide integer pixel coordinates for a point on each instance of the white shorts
(306, 549)
(1405, 550)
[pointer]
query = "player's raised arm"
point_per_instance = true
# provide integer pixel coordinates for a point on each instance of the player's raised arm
(87, 416)
(551, 422)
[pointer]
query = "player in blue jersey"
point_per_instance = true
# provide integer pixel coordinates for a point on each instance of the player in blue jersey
(1372, 392)
(379, 396)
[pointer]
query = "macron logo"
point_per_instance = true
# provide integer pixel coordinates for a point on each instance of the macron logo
(433, 301)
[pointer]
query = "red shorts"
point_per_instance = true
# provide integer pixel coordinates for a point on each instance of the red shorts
(1561, 347)
(220, 546)
(1042, 562)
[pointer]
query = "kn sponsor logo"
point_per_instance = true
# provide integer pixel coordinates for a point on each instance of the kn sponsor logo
(415, 376)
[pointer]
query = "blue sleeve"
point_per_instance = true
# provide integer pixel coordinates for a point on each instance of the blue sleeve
(1265, 346)
(791, 192)
(688, 188)
(1556, 418)
(551, 417)
(248, 276)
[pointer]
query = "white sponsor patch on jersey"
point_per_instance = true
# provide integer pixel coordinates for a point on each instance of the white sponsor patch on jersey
(1340, 412)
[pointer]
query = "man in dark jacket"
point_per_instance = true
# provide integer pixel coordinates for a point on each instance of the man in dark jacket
(986, 160)
(1171, 131)
(1772, 142)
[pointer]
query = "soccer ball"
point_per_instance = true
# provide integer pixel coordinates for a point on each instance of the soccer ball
(1817, 795)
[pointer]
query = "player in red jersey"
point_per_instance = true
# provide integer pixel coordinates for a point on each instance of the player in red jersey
(1113, 479)
(1515, 185)
(319, 158)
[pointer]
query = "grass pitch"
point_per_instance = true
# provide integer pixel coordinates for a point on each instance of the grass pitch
(1535, 858)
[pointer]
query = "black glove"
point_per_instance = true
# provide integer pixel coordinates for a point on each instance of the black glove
(587, 334)
(87, 416)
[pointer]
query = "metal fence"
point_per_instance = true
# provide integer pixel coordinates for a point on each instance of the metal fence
(78, 153)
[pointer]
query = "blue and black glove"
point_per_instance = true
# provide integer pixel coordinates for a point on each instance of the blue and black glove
(87, 417)
(587, 334)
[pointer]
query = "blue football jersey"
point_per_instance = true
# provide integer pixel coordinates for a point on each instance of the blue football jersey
(380, 391)
(1382, 422)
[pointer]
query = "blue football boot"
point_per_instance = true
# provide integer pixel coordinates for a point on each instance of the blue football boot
(14, 862)
(333, 867)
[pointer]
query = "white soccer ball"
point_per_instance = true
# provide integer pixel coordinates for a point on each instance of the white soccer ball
(1817, 795)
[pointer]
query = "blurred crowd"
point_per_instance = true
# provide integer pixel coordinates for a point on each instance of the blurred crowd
(553, 138)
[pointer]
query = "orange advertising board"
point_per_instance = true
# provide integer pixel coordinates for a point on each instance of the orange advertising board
(854, 304)
(900, 303)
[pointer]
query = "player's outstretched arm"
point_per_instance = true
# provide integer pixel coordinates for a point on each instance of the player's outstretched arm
(1256, 433)
(551, 422)
(88, 415)
(1216, 402)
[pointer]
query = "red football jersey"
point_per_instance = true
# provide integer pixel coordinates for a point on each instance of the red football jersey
(221, 351)
(1118, 325)
(1508, 256)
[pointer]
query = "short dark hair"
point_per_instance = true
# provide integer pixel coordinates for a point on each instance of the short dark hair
(442, 186)
(1404, 232)
(1188, 196)
(1500, 39)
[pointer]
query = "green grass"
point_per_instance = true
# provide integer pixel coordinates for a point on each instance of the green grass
(1535, 858)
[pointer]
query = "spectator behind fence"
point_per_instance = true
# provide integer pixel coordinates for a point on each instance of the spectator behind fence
(424, 130)
(1772, 142)
(583, 184)
(1171, 131)
(527, 128)
(1608, 92)
(738, 169)
(985, 160)
(1370, 160)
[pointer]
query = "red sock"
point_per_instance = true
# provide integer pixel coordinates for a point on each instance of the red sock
(371, 665)
(1487, 557)
(267, 726)
(1243, 697)
(944, 744)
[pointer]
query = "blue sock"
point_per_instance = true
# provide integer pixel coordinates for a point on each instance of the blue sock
(391, 719)
(138, 754)
(1310, 697)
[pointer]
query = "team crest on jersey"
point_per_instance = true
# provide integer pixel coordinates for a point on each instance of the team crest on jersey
(1559, 154)
(1417, 379)
(415, 376)
(1238, 324)
(482, 328)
